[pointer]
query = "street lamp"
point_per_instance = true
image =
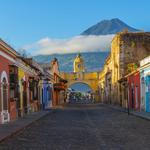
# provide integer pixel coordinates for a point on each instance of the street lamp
(128, 107)
(126, 86)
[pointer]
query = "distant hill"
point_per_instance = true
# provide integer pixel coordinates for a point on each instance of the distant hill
(93, 61)
(105, 27)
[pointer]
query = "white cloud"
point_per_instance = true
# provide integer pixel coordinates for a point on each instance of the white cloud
(76, 44)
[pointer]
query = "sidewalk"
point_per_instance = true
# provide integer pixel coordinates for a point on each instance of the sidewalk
(11, 128)
(144, 115)
(141, 114)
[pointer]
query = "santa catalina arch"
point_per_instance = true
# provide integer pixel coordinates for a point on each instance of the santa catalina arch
(79, 75)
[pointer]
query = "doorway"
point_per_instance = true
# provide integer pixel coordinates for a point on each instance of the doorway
(4, 101)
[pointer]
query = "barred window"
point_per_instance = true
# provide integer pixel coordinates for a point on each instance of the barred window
(5, 94)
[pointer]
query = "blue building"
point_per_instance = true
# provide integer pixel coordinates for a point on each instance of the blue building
(145, 84)
(47, 94)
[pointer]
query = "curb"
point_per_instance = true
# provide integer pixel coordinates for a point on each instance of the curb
(140, 116)
(23, 127)
(115, 107)
(125, 111)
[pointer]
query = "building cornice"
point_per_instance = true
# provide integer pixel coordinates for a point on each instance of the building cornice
(8, 49)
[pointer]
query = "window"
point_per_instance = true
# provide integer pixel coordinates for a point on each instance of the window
(4, 93)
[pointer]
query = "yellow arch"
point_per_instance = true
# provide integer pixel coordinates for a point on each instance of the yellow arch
(84, 82)
(89, 78)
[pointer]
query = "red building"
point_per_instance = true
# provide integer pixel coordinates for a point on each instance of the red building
(7, 105)
(134, 90)
(21, 84)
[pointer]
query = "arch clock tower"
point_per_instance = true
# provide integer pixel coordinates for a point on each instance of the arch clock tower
(78, 64)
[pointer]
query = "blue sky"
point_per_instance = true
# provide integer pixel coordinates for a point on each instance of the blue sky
(24, 22)
(81, 87)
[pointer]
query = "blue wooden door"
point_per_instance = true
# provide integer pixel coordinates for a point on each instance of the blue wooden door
(148, 94)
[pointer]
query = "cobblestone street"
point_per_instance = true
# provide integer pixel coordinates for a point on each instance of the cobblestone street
(83, 128)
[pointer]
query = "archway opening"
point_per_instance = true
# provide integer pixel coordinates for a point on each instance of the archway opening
(80, 93)
(5, 94)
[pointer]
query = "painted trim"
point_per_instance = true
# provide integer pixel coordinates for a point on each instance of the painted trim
(4, 75)
(145, 61)
(7, 56)
(8, 48)
(18, 63)
(4, 112)
(28, 70)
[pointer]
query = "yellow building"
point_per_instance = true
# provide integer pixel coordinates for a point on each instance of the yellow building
(21, 78)
(126, 48)
(105, 81)
(27, 88)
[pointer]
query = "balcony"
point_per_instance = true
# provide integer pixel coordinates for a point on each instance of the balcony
(59, 86)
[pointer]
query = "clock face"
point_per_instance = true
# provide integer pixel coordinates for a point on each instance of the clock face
(79, 65)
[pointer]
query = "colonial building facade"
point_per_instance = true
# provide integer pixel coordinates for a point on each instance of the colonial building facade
(59, 93)
(127, 49)
(145, 84)
(25, 86)
(7, 58)
(79, 75)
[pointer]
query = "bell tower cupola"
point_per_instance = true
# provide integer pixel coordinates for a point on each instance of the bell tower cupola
(78, 64)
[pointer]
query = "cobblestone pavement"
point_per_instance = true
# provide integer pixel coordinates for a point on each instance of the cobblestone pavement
(83, 128)
(85, 101)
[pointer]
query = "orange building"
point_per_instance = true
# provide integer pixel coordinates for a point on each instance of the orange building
(59, 86)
